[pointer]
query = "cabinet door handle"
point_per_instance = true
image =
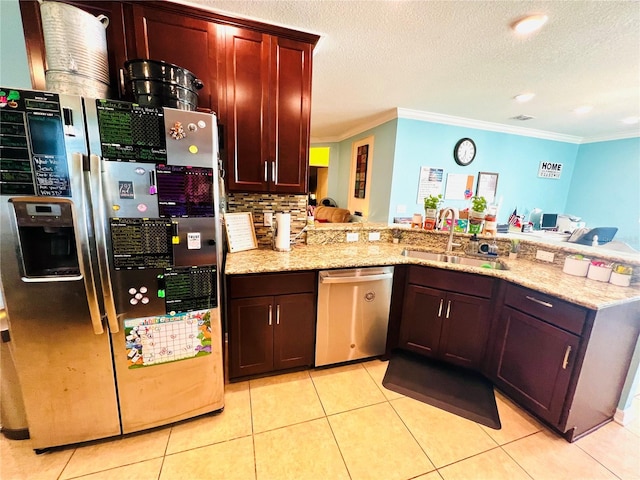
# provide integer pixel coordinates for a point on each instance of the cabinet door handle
(448, 309)
(565, 362)
(273, 171)
(540, 302)
(266, 166)
(270, 315)
(277, 314)
(440, 307)
(121, 78)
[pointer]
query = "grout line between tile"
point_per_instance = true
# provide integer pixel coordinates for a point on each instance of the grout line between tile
(414, 438)
(598, 461)
(67, 463)
(514, 460)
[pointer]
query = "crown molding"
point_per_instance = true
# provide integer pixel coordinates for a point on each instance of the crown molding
(468, 123)
(373, 122)
(612, 137)
(482, 125)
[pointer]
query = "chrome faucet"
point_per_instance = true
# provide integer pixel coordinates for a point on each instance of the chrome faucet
(445, 214)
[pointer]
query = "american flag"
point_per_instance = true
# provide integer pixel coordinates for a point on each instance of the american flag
(513, 218)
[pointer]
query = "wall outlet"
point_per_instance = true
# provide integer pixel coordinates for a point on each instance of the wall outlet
(401, 209)
(268, 219)
(374, 236)
(352, 237)
(544, 256)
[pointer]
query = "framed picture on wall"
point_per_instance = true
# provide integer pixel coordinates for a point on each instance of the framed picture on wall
(360, 176)
(362, 161)
(487, 186)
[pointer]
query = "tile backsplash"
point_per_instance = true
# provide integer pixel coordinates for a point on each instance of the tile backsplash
(258, 203)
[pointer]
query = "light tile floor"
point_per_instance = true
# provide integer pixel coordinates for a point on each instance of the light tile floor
(337, 423)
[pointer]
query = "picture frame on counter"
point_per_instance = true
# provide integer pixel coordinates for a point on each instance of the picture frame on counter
(241, 235)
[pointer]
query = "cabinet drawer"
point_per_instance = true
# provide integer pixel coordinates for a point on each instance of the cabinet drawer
(545, 307)
(258, 285)
(460, 282)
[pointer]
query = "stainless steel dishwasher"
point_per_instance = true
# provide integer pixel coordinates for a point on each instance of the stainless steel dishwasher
(353, 313)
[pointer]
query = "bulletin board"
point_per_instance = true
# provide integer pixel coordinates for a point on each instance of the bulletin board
(240, 232)
(458, 187)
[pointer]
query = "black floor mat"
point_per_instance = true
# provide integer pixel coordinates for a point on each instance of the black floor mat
(454, 389)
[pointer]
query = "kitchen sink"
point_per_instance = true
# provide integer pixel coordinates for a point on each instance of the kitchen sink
(441, 257)
(436, 257)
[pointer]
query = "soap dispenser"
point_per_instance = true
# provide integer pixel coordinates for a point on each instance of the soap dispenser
(473, 245)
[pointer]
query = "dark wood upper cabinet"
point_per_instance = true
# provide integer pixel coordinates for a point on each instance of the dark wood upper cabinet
(247, 55)
(291, 114)
(182, 40)
(268, 107)
(256, 76)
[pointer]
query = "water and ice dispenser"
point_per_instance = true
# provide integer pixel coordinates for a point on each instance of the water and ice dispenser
(47, 239)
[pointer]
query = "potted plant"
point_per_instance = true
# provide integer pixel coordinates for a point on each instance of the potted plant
(476, 214)
(431, 204)
(478, 204)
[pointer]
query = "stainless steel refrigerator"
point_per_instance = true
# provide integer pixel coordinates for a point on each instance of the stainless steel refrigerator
(110, 261)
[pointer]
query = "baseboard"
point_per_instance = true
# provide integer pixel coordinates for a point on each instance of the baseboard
(624, 417)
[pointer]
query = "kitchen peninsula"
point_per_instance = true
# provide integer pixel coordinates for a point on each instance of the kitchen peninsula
(581, 333)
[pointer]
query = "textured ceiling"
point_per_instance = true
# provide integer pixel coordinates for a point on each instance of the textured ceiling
(461, 59)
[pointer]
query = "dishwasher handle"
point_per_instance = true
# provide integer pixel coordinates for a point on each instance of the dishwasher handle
(326, 278)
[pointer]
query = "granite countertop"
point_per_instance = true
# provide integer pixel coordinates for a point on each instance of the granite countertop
(536, 275)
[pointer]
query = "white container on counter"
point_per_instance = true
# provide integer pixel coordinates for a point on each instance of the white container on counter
(576, 266)
(620, 279)
(599, 273)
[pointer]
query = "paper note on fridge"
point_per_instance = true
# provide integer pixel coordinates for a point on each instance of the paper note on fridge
(193, 241)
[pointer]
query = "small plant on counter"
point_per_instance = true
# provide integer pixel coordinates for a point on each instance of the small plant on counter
(476, 214)
(478, 204)
(432, 202)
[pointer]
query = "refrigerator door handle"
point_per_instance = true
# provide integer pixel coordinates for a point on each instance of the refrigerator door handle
(85, 252)
(101, 242)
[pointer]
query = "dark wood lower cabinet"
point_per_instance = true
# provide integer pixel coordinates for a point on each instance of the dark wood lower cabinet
(250, 336)
(421, 326)
(565, 363)
(466, 326)
(443, 323)
(536, 360)
(294, 331)
(271, 332)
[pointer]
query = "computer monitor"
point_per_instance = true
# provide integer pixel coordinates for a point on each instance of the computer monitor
(549, 221)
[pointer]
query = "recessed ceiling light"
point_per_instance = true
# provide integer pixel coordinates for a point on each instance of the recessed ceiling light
(583, 109)
(524, 97)
(529, 24)
(631, 120)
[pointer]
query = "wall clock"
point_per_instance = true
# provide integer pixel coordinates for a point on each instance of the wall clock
(464, 152)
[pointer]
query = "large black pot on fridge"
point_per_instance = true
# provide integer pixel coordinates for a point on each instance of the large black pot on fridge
(162, 84)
